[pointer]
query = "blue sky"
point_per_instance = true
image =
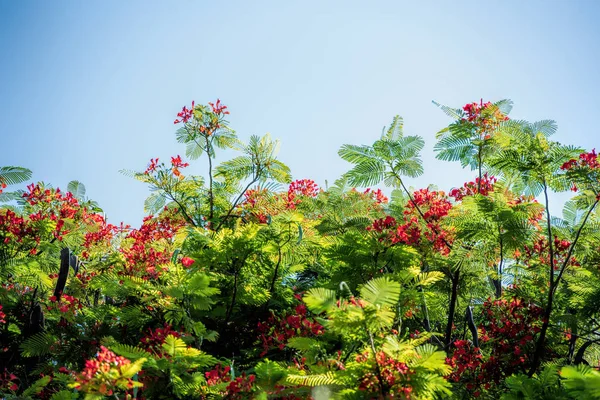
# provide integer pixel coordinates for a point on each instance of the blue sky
(92, 87)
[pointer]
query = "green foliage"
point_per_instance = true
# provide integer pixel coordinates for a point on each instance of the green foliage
(239, 286)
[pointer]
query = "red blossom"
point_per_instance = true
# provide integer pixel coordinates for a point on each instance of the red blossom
(470, 188)
(187, 262)
(509, 331)
(485, 117)
(185, 114)
(586, 160)
(96, 376)
(152, 167)
(154, 339)
(301, 187)
(8, 381)
(177, 163)
(218, 109)
(377, 195)
(394, 376)
(277, 330)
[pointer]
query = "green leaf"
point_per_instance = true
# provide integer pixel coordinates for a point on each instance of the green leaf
(173, 346)
(37, 386)
(269, 373)
(129, 370)
(299, 234)
(154, 203)
(14, 175)
(77, 189)
(381, 292)
(319, 300)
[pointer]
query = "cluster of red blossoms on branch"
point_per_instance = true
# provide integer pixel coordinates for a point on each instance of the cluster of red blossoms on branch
(176, 164)
(484, 116)
(301, 187)
(538, 253)
(101, 374)
(433, 205)
(155, 338)
(205, 122)
(66, 304)
(585, 170)
(394, 375)
(51, 208)
(586, 160)
(8, 382)
(277, 330)
(377, 195)
(218, 108)
(509, 331)
(486, 185)
(143, 255)
(236, 387)
(185, 114)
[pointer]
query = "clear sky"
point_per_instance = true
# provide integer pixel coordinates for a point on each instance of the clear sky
(88, 88)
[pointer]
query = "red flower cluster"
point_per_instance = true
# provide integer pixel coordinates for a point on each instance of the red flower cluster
(235, 389)
(103, 234)
(14, 227)
(85, 277)
(470, 188)
(66, 304)
(187, 262)
(176, 164)
(585, 170)
(538, 253)
(395, 376)
(509, 329)
(276, 331)
(48, 207)
(252, 196)
(257, 205)
(96, 376)
(466, 362)
(154, 339)
(434, 206)
(2, 316)
(301, 187)
(185, 114)
(377, 195)
(218, 108)
(586, 160)
(239, 386)
(143, 255)
(8, 382)
(343, 304)
(484, 116)
(152, 167)
(382, 224)
(218, 375)
(2, 185)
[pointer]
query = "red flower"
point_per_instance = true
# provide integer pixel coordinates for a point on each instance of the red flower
(187, 262)
(152, 167)
(177, 163)
(218, 108)
(185, 114)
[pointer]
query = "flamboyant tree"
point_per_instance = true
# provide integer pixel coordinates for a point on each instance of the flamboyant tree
(246, 283)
